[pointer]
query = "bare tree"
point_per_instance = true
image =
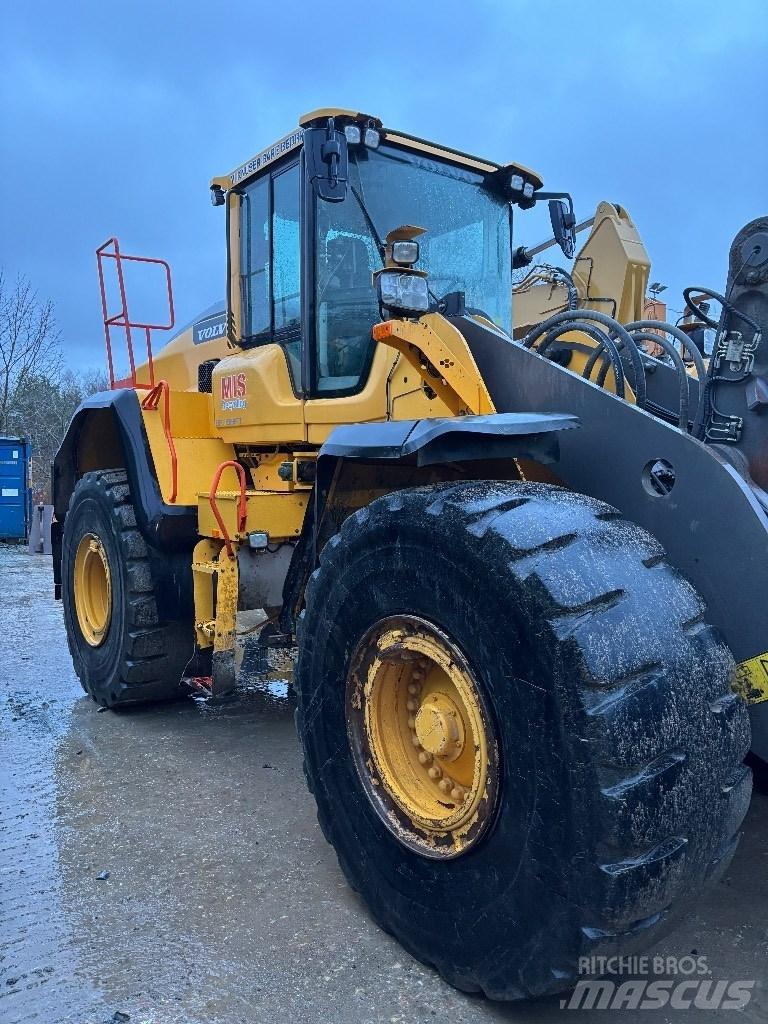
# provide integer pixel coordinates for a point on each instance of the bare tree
(42, 410)
(37, 394)
(29, 342)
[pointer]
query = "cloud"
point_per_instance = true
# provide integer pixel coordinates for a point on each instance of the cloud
(116, 117)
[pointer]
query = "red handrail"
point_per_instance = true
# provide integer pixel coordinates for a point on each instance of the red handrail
(111, 250)
(242, 507)
(151, 402)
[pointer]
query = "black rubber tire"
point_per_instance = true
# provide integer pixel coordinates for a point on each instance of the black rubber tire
(142, 657)
(622, 785)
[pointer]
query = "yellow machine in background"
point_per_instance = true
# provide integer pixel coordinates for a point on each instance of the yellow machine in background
(451, 492)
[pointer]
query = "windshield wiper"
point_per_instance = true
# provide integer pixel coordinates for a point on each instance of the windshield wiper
(360, 200)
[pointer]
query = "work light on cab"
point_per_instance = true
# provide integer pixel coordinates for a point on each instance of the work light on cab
(400, 288)
(402, 292)
(367, 134)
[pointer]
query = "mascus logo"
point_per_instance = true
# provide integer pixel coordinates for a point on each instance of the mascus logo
(233, 386)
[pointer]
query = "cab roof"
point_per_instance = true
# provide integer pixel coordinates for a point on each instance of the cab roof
(293, 140)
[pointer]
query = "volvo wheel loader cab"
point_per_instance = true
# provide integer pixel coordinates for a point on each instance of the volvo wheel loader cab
(515, 569)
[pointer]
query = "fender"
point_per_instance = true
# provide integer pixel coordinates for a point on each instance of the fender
(163, 526)
(433, 442)
(412, 451)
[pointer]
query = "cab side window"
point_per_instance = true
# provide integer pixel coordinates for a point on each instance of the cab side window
(254, 261)
(286, 267)
(270, 277)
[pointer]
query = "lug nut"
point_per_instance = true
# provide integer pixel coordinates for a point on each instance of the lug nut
(445, 785)
(413, 688)
(425, 757)
(411, 722)
(435, 772)
(415, 740)
(457, 793)
(412, 705)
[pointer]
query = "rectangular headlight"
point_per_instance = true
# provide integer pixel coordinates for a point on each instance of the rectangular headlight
(402, 293)
(405, 253)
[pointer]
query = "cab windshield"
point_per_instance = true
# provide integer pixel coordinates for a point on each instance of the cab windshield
(466, 248)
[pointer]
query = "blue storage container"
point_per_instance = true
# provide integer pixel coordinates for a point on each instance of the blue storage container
(15, 492)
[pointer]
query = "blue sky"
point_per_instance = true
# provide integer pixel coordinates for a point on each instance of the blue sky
(113, 117)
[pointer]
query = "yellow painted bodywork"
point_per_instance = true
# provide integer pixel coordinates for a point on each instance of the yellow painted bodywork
(323, 414)
(438, 352)
(323, 112)
(216, 579)
(177, 362)
(226, 604)
(279, 514)
(198, 450)
(204, 567)
(273, 413)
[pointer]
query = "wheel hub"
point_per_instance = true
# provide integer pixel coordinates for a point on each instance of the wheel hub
(439, 727)
(93, 589)
(422, 737)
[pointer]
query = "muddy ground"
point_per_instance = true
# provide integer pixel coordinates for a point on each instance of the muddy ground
(223, 904)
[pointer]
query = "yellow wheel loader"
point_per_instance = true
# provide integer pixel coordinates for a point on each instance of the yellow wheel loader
(525, 563)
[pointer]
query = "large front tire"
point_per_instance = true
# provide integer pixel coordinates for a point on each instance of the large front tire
(619, 788)
(124, 650)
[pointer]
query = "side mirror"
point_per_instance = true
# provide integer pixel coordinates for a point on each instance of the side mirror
(327, 165)
(563, 222)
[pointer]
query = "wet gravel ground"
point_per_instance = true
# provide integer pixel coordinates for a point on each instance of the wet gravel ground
(164, 866)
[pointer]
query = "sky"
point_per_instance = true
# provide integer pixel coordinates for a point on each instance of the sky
(114, 116)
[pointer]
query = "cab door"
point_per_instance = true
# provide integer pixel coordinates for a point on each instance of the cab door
(345, 370)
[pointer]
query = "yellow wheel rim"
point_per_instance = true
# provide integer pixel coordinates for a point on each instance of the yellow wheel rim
(93, 589)
(422, 738)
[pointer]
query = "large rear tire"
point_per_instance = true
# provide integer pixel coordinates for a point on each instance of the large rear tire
(124, 650)
(614, 788)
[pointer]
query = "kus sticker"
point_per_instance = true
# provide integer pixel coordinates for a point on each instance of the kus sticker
(233, 391)
(210, 329)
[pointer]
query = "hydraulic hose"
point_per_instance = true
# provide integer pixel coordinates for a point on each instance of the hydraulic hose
(672, 352)
(604, 344)
(570, 287)
(724, 302)
(615, 329)
(681, 336)
(696, 359)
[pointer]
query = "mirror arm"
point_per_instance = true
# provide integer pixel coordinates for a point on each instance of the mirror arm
(534, 250)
